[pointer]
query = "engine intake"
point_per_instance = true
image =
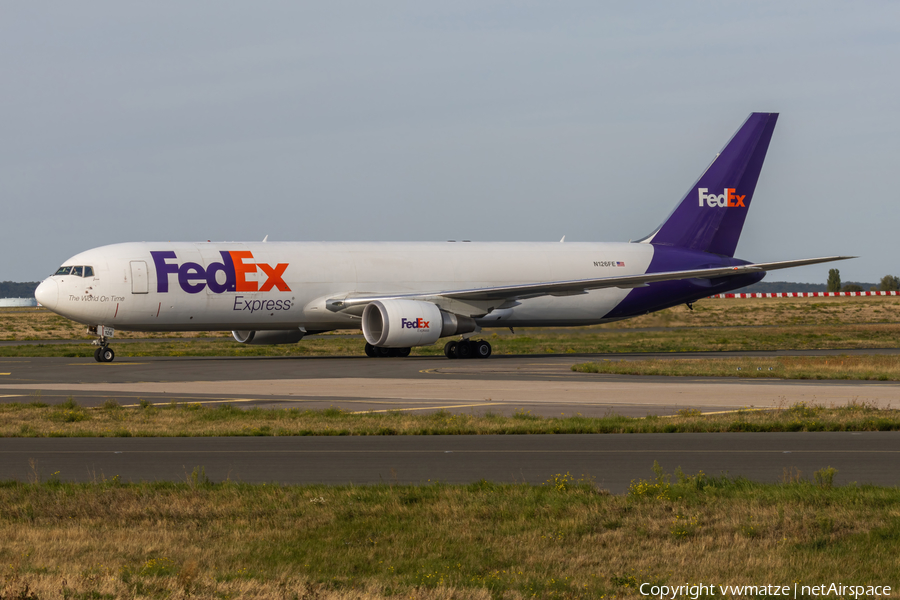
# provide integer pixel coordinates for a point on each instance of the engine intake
(268, 338)
(407, 323)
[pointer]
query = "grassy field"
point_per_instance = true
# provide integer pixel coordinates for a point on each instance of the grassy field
(577, 341)
(563, 539)
(173, 419)
(713, 325)
(41, 324)
(865, 367)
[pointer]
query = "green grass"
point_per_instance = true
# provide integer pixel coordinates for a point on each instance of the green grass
(180, 420)
(857, 367)
(576, 341)
(563, 539)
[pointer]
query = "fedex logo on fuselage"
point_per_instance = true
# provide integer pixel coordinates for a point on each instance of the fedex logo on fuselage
(414, 324)
(726, 199)
(235, 265)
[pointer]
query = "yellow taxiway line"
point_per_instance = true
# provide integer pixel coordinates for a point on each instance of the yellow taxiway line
(112, 364)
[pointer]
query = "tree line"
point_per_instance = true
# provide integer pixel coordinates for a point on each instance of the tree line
(888, 283)
(16, 289)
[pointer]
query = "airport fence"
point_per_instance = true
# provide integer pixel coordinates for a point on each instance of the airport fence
(804, 294)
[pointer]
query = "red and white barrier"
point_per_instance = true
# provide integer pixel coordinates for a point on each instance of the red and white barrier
(805, 294)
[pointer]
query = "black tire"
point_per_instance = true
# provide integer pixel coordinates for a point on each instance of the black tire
(107, 354)
(482, 349)
(97, 355)
(464, 349)
(450, 349)
(383, 352)
(370, 350)
(403, 352)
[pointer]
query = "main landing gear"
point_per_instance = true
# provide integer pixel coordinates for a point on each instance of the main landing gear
(378, 352)
(454, 349)
(467, 349)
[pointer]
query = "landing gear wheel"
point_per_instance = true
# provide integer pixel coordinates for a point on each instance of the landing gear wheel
(482, 349)
(107, 354)
(370, 350)
(402, 352)
(97, 355)
(450, 349)
(383, 352)
(464, 349)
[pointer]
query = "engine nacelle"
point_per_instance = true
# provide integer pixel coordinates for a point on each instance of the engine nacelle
(407, 323)
(268, 338)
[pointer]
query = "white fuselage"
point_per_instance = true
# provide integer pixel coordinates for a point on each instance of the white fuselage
(284, 285)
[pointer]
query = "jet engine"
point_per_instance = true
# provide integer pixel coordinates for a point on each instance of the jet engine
(270, 337)
(407, 323)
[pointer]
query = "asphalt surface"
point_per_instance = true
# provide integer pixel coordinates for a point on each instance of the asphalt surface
(503, 384)
(543, 384)
(611, 461)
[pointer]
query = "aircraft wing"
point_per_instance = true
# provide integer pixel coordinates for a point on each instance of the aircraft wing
(577, 286)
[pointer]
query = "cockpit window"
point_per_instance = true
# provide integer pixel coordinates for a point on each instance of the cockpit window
(80, 271)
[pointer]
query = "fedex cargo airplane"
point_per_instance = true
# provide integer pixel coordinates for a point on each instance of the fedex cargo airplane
(413, 294)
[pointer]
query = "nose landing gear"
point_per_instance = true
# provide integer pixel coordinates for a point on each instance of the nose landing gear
(104, 353)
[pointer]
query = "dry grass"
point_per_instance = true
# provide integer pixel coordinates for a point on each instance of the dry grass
(577, 341)
(751, 312)
(713, 325)
(866, 367)
(21, 324)
(564, 539)
(41, 324)
(180, 420)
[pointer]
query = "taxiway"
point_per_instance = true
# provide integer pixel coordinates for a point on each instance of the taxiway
(544, 384)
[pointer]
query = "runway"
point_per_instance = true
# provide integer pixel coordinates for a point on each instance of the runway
(544, 384)
(610, 461)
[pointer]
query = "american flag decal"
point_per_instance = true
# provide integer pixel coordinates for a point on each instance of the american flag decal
(620, 263)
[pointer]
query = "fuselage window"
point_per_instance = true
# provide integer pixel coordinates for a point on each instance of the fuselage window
(63, 271)
(78, 271)
(89, 271)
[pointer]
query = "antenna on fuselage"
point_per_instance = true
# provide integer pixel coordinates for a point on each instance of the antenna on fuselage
(266, 239)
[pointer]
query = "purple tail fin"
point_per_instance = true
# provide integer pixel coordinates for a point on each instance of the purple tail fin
(710, 217)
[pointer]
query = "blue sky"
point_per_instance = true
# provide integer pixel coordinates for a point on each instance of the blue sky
(419, 121)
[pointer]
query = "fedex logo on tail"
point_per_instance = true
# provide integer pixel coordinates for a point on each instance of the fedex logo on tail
(414, 324)
(728, 198)
(235, 266)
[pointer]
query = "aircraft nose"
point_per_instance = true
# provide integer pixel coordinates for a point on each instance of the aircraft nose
(47, 293)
